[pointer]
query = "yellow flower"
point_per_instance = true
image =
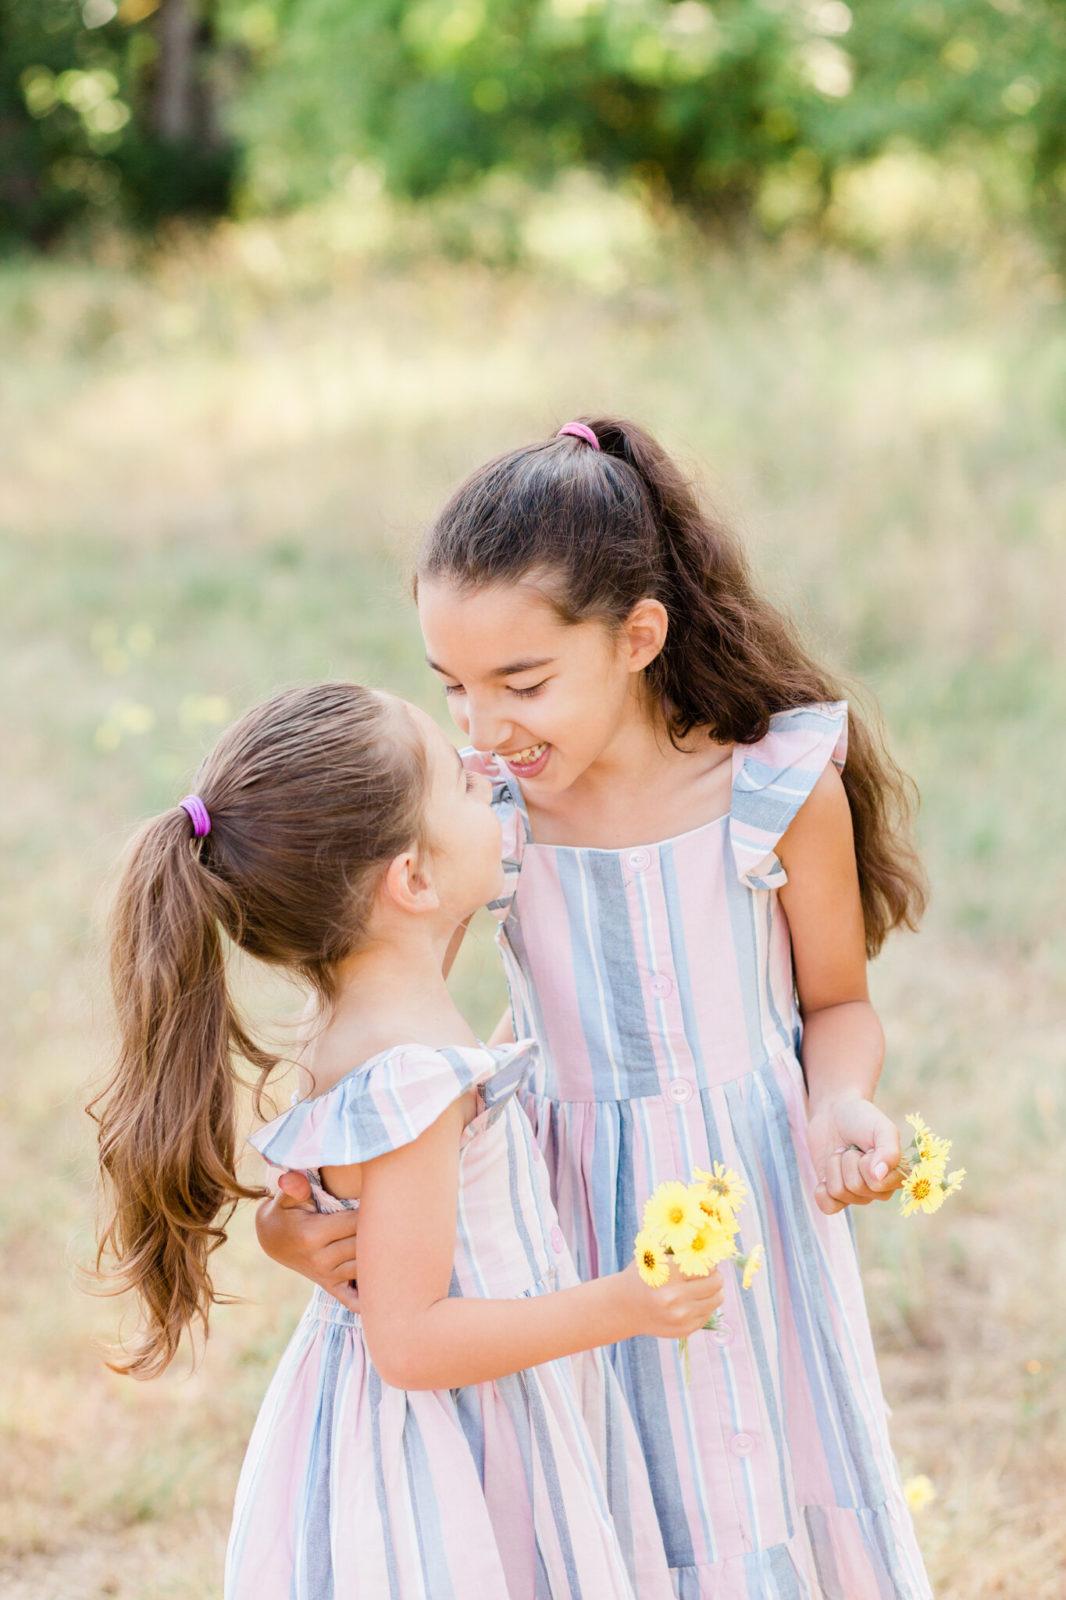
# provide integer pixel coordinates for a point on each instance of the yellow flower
(922, 1189)
(918, 1124)
(920, 1492)
(724, 1184)
(713, 1209)
(672, 1215)
(652, 1261)
(704, 1250)
(954, 1182)
(930, 1148)
(752, 1263)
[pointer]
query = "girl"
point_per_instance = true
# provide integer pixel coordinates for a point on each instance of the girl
(438, 1444)
(694, 878)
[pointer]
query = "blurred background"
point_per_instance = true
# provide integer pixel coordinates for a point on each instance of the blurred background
(273, 277)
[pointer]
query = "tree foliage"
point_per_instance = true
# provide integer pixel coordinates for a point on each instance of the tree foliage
(109, 107)
(700, 101)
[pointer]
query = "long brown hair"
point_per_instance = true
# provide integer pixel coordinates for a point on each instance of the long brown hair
(309, 796)
(599, 530)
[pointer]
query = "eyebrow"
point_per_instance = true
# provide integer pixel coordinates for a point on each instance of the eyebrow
(511, 670)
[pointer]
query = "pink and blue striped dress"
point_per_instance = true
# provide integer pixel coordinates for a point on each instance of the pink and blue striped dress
(529, 1488)
(658, 983)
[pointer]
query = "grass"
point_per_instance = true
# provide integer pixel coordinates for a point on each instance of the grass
(214, 468)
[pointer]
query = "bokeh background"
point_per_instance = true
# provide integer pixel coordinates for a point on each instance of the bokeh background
(275, 275)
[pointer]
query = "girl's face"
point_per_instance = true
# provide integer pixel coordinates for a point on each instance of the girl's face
(546, 696)
(463, 833)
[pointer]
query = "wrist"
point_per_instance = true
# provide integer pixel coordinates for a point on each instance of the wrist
(829, 1099)
(622, 1303)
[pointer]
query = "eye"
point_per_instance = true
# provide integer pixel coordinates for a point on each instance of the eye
(534, 689)
(452, 688)
(471, 781)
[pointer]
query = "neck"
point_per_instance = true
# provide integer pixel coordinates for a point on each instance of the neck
(390, 992)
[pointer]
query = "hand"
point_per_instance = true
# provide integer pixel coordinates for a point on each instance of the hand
(319, 1245)
(856, 1153)
(677, 1308)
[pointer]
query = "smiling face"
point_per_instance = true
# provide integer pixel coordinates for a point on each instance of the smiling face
(548, 697)
(461, 829)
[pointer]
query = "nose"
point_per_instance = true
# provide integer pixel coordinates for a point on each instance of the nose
(485, 729)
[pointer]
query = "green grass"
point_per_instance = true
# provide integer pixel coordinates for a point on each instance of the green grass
(214, 468)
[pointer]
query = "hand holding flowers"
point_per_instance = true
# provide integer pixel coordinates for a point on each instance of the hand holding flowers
(692, 1227)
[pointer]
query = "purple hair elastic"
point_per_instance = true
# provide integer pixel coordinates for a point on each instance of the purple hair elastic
(580, 430)
(201, 822)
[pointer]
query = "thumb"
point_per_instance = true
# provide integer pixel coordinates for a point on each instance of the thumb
(881, 1162)
(294, 1189)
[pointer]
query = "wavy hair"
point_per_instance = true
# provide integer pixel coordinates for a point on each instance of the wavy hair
(310, 796)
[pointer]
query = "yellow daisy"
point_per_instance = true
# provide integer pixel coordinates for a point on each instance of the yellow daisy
(704, 1250)
(713, 1209)
(954, 1182)
(918, 1124)
(653, 1263)
(724, 1183)
(919, 1491)
(929, 1147)
(672, 1215)
(922, 1189)
(752, 1263)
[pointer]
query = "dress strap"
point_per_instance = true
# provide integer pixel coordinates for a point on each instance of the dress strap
(771, 780)
(509, 805)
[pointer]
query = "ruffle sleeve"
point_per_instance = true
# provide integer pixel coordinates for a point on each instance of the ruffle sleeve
(771, 780)
(383, 1104)
(510, 808)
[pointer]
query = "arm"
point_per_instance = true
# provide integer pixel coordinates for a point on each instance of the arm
(503, 1032)
(843, 1045)
(420, 1338)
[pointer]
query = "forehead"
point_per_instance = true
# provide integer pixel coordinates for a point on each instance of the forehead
(437, 745)
(489, 628)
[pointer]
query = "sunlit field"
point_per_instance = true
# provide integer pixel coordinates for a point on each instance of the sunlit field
(215, 468)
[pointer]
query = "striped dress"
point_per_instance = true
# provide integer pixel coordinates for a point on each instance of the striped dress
(528, 1488)
(658, 983)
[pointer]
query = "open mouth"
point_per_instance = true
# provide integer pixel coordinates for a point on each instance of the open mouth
(527, 763)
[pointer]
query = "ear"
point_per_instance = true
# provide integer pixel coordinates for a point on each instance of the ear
(644, 633)
(409, 884)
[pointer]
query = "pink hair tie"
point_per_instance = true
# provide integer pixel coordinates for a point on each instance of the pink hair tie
(201, 822)
(580, 430)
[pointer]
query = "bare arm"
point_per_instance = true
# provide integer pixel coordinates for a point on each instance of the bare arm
(503, 1032)
(421, 1338)
(843, 1044)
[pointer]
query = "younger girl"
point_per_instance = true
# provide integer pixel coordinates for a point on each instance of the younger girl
(695, 875)
(437, 1445)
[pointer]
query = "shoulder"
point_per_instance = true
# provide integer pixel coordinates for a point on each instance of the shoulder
(379, 1106)
(802, 751)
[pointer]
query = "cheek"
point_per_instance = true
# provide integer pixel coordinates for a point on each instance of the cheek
(457, 712)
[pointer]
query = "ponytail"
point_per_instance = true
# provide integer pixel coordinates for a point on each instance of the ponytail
(604, 528)
(167, 1126)
(305, 800)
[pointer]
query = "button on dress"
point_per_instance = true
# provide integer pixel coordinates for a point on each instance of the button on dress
(658, 983)
(531, 1487)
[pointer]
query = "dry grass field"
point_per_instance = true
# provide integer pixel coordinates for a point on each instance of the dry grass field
(214, 466)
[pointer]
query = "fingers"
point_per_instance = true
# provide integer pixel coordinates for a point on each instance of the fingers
(347, 1294)
(294, 1190)
(844, 1183)
(880, 1171)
